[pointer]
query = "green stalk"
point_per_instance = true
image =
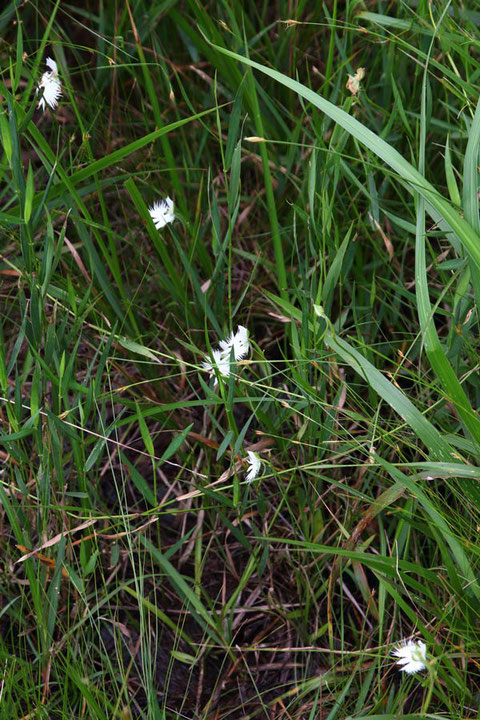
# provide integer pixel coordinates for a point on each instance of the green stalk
(269, 194)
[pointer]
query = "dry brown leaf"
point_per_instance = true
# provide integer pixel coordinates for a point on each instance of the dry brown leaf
(55, 540)
(353, 82)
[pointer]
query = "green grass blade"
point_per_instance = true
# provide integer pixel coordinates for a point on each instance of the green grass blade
(468, 575)
(433, 347)
(425, 431)
(383, 150)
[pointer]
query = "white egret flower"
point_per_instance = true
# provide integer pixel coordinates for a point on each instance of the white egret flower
(255, 464)
(413, 656)
(221, 357)
(238, 341)
(51, 86)
(162, 212)
(220, 361)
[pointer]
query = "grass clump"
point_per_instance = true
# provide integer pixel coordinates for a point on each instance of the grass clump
(239, 433)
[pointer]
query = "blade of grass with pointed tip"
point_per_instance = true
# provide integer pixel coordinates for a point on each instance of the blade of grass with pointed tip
(450, 176)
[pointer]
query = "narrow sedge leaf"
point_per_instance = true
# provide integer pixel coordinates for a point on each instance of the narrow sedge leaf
(3, 366)
(225, 444)
(233, 127)
(183, 657)
(95, 454)
(176, 443)
(399, 106)
(334, 272)
(53, 593)
(312, 181)
(470, 173)
(23, 433)
(235, 177)
(75, 579)
(450, 176)
(146, 437)
(18, 58)
(61, 367)
(29, 193)
(6, 137)
(135, 347)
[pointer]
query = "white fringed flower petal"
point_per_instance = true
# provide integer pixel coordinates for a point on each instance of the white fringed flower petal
(162, 213)
(238, 341)
(50, 63)
(218, 361)
(220, 358)
(51, 86)
(255, 465)
(413, 656)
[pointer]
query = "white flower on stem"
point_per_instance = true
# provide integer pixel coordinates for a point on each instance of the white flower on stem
(220, 361)
(220, 358)
(162, 212)
(238, 341)
(255, 465)
(51, 86)
(413, 656)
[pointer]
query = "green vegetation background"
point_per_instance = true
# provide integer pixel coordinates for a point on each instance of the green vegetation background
(140, 574)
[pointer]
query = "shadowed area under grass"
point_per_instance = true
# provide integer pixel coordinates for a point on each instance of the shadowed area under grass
(239, 429)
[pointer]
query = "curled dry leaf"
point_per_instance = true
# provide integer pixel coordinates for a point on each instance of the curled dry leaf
(353, 82)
